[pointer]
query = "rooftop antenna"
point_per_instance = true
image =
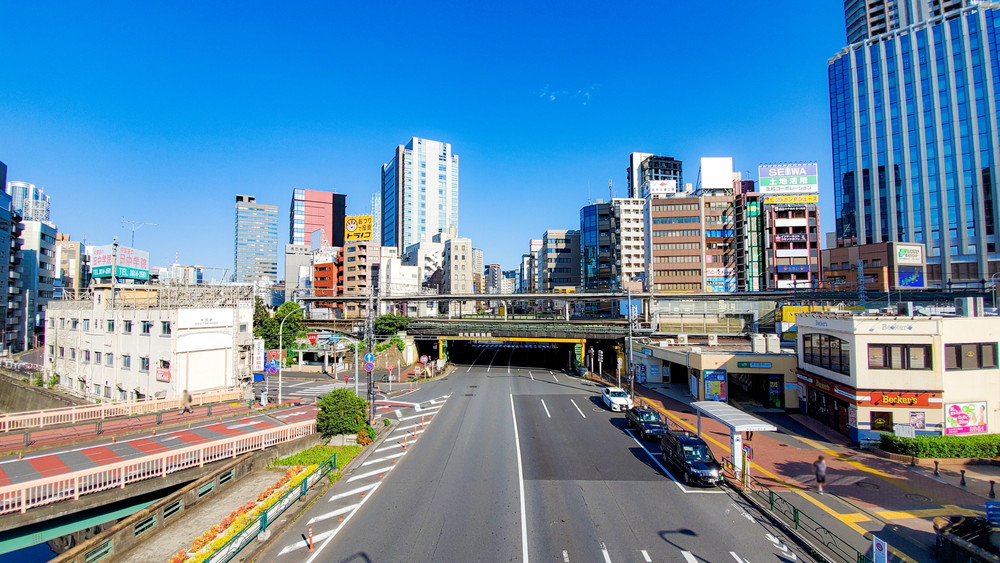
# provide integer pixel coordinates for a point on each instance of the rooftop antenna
(611, 190)
(136, 225)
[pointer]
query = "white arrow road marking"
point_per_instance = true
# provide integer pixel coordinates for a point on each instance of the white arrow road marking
(329, 515)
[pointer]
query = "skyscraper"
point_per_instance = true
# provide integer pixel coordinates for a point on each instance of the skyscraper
(256, 250)
(644, 168)
(419, 193)
(28, 200)
(312, 210)
(915, 132)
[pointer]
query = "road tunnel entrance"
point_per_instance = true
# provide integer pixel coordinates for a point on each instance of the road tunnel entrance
(555, 354)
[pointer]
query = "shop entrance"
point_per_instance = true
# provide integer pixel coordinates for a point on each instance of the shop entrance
(764, 389)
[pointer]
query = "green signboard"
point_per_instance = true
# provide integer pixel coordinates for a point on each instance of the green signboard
(121, 272)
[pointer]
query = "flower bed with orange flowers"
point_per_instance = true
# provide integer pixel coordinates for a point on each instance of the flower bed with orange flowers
(206, 544)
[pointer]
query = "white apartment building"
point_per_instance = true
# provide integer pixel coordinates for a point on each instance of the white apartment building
(133, 342)
(628, 238)
(864, 374)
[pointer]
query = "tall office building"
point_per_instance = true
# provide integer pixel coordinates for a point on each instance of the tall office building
(312, 210)
(256, 250)
(29, 200)
(419, 193)
(596, 258)
(559, 261)
(644, 168)
(915, 132)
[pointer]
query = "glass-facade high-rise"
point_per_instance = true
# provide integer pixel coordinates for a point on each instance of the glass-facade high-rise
(29, 201)
(419, 193)
(595, 248)
(915, 139)
(256, 249)
(312, 210)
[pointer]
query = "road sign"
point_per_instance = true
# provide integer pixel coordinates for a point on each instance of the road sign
(271, 366)
(312, 338)
(369, 367)
(424, 359)
(880, 550)
(273, 354)
(748, 451)
(993, 512)
(369, 357)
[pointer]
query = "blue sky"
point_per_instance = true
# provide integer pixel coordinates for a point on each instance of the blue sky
(161, 112)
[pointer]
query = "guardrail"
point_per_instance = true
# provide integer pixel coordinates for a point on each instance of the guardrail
(829, 544)
(246, 535)
(22, 496)
(101, 411)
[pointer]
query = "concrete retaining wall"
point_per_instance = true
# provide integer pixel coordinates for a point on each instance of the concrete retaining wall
(17, 396)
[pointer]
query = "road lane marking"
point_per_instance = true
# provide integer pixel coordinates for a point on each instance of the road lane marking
(301, 544)
(357, 491)
(396, 445)
(554, 377)
(546, 408)
(520, 484)
(736, 557)
(565, 556)
(604, 551)
(578, 408)
(645, 556)
(531, 376)
(688, 557)
(381, 459)
(370, 473)
(333, 533)
(331, 514)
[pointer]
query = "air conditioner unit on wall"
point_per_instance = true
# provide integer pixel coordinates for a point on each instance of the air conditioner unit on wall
(713, 339)
(682, 339)
(667, 342)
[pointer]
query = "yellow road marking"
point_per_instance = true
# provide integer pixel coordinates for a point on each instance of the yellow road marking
(947, 510)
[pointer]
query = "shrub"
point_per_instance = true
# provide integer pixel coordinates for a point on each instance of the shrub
(386, 422)
(984, 446)
(53, 381)
(38, 381)
(341, 412)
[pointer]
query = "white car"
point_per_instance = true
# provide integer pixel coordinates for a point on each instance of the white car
(616, 398)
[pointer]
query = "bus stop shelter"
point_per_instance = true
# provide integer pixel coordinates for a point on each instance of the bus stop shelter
(737, 421)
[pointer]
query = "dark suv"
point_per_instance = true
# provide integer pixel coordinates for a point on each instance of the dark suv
(692, 456)
(646, 421)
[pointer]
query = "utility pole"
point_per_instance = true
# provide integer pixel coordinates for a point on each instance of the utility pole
(136, 225)
(862, 290)
(370, 338)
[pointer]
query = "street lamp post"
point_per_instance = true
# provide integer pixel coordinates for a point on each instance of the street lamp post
(355, 343)
(281, 342)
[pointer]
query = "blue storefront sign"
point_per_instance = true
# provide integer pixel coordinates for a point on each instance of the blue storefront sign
(910, 276)
(800, 269)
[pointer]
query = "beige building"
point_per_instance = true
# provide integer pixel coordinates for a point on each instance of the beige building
(361, 265)
(865, 374)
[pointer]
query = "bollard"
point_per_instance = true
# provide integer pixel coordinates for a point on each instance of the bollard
(414, 431)
(936, 472)
(422, 417)
(154, 432)
(404, 441)
(962, 482)
(913, 460)
(310, 538)
(993, 494)
(114, 439)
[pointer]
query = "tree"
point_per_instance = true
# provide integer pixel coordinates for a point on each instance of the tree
(341, 412)
(390, 324)
(291, 314)
(264, 325)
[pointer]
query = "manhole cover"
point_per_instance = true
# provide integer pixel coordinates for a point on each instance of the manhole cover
(921, 498)
(473, 386)
(470, 394)
(867, 485)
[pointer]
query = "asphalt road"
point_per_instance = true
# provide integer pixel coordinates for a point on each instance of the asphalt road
(514, 464)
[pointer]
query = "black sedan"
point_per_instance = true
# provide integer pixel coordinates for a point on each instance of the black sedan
(646, 421)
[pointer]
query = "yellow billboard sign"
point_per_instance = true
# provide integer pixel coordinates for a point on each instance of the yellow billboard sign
(791, 199)
(358, 228)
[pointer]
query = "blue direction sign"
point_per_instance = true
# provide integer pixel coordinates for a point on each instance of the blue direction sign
(369, 367)
(271, 366)
(369, 357)
(993, 512)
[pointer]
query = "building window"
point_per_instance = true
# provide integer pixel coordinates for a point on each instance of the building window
(109, 359)
(970, 356)
(97, 388)
(86, 324)
(107, 391)
(62, 352)
(111, 325)
(73, 324)
(147, 327)
(128, 327)
(97, 357)
(62, 322)
(143, 363)
(899, 356)
(881, 421)
(86, 356)
(52, 350)
(164, 364)
(126, 361)
(165, 328)
(72, 353)
(828, 352)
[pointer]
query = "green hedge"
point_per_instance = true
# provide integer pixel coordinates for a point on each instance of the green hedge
(985, 446)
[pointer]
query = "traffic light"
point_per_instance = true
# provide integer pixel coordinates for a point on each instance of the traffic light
(600, 355)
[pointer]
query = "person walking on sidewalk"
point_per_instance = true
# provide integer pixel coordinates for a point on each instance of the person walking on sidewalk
(185, 402)
(819, 467)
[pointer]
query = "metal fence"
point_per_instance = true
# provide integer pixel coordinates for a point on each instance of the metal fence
(830, 544)
(246, 535)
(37, 492)
(101, 411)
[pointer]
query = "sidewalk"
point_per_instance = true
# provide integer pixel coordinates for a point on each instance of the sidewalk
(865, 494)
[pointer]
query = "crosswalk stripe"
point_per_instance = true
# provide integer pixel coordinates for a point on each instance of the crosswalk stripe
(301, 544)
(645, 556)
(396, 445)
(381, 459)
(689, 557)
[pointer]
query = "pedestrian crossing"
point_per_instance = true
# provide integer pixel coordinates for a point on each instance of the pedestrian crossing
(331, 514)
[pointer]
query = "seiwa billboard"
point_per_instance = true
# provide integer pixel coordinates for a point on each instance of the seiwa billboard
(128, 262)
(788, 178)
